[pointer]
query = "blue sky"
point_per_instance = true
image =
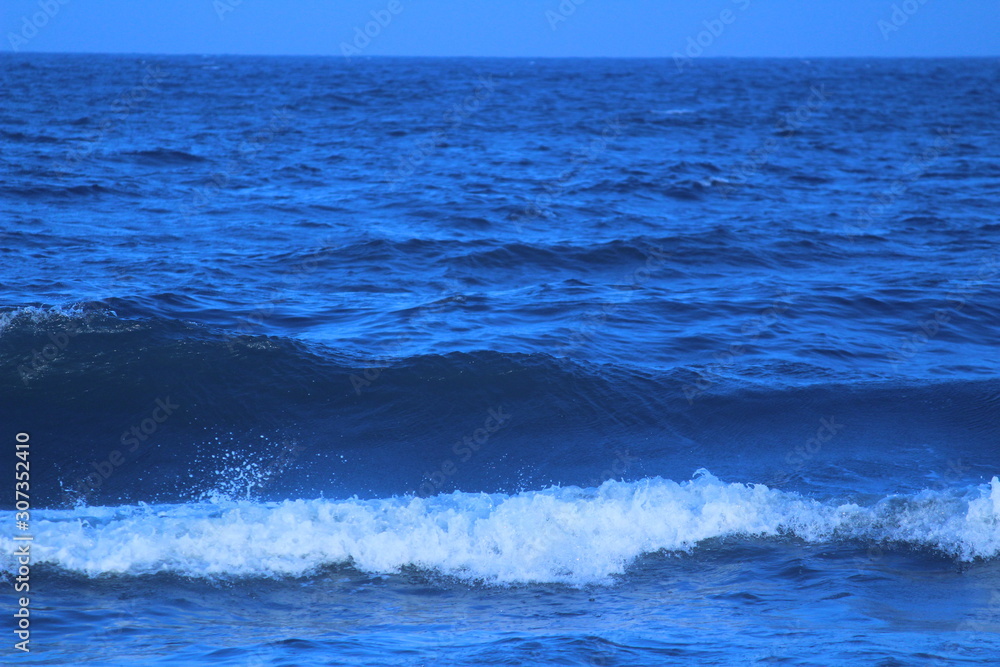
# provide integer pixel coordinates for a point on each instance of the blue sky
(535, 28)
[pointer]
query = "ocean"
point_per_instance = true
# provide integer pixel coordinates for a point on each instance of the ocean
(404, 361)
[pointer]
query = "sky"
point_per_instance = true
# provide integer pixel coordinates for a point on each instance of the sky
(526, 28)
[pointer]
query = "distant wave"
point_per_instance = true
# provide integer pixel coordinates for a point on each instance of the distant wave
(163, 156)
(38, 192)
(566, 535)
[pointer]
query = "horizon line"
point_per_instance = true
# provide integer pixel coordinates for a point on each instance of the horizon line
(482, 57)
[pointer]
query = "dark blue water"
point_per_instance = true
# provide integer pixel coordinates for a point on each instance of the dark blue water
(584, 362)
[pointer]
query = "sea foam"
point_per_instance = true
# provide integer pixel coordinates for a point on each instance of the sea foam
(560, 534)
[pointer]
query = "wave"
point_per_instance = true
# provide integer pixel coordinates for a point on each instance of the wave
(566, 535)
(30, 138)
(163, 156)
(390, 425)
(63, 192)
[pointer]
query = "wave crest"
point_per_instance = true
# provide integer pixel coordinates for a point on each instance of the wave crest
(560, 534)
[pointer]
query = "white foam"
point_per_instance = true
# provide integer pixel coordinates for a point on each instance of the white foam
(50, 314)
(570, 535)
